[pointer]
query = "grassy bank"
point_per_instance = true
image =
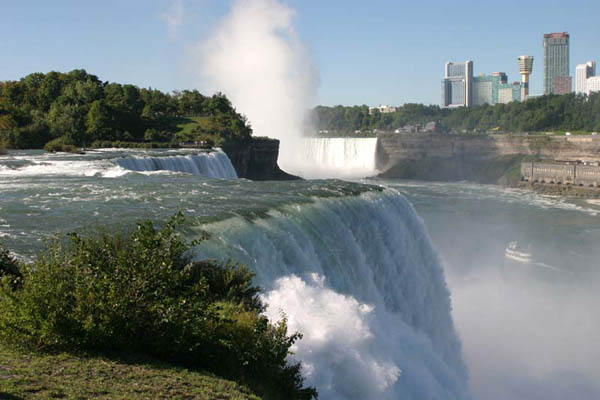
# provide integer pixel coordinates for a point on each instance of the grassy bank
(31, 375)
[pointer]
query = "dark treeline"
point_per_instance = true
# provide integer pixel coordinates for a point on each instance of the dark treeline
(79, 109)
(545, 113)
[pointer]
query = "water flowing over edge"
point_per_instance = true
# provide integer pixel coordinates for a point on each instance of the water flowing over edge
(214, 164)
(210, 164)
(358, 276)
(330, 157)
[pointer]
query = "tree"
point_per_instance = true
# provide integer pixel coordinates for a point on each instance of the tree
(98, 122)
(67, 120)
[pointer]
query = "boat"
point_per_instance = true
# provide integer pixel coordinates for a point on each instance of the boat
(514, 254)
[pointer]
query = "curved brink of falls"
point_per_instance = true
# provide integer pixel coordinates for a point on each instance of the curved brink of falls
(358, 276)
(331, 158)
(213, 164)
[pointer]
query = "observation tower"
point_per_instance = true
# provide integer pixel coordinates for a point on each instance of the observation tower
(525, 69)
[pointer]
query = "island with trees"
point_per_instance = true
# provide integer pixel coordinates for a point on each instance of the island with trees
(70, 111)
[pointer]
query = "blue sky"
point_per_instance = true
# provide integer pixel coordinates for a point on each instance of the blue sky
(366, 52)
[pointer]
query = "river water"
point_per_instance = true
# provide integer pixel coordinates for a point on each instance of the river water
(384, 295)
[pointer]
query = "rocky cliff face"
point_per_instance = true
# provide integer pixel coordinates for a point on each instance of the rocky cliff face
(257, 160)
(480, 158)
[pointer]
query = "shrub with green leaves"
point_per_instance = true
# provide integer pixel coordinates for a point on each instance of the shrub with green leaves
(9, 267)
(140, 291)
(60, 144)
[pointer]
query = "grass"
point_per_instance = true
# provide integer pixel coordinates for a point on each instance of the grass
(200, 128)
(186, 125)
(30, 375)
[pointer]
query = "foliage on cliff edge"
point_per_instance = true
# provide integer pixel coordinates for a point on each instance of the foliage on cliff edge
(140, 291)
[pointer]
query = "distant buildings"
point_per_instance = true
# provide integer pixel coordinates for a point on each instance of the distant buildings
(556, 64)
(586, 80)
(429, 127)
(457, 85)
(382, 108)
(461, 89)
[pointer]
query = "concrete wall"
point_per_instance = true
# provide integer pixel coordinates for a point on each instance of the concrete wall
(585, 175)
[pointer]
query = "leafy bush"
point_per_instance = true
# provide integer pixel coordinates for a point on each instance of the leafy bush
(9, 268)
(139, 291)
(60, 144)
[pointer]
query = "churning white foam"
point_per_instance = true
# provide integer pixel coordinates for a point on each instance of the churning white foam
(338, 344)
(101, 168)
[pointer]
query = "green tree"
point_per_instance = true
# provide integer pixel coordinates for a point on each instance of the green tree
(69, 121)
(98, 122)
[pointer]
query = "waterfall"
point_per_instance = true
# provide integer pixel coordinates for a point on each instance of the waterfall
(336, 158)
(214, 164)
(358, 276)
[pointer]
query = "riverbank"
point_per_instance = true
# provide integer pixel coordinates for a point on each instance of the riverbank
(560, 190)
(31, 375)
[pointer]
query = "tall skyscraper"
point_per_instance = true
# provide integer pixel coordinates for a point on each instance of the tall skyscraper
(457, 85)
(525, 69)
(556, 63)
(582, 73)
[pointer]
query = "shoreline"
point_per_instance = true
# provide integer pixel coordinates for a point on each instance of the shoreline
(559, 189)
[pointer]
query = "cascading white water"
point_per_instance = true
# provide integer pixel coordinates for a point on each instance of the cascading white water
(358, 276)
(214, 164)
(335, 158)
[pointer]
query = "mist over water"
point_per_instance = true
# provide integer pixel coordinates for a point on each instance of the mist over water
(255, 57)
(528, 331)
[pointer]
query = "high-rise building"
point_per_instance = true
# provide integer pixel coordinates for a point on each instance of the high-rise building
(493, 89)
(457, 85)
(563, 85)
(593, 84)
(556, 63)
(525, 69)
(485, 88)
(582, 73)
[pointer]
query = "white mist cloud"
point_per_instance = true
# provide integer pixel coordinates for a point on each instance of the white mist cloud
(528, 339)
(174, 17)
(255, 57)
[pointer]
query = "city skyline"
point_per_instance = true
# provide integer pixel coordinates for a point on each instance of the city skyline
(375, 53)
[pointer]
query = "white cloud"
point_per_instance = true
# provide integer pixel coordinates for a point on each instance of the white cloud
(174, 17)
